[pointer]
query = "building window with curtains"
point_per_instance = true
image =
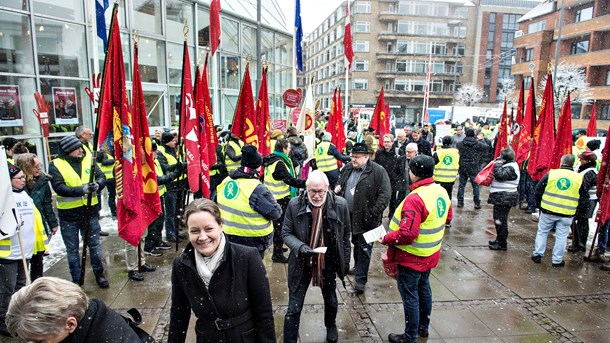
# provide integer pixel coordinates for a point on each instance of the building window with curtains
(579, 47)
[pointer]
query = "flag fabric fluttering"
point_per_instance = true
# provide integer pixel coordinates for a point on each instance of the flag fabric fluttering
(380, 121)
(100, 20)
(215, 28)
(244, 120)
(305, 125)
(502, 140)
(335, 122)
(200, 107)
(518, 122)
(527, 127)
(543, 137)
(8, 222)
(262, 115)
(151, 204)
(348, 49)
(603, 186)
(190, 125)
(118, 138)
(207, 117)
(592, 126)
(298, 36)
(563, 141)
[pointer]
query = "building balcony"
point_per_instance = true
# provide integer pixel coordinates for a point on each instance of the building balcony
(600, 93)
(534, 39)
(572, 30)
(595, 58)
(387, 35)
(395, 16)
(394, 94)
(523, 68)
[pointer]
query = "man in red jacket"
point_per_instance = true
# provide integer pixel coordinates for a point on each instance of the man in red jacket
(414, 240)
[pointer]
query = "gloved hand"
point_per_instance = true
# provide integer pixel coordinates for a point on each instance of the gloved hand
(91, 187)
(306, 251)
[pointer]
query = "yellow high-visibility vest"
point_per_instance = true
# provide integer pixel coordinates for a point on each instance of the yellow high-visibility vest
(159, 172)
(74, 180)
(171, 160)
(446, 170)
(325, 161)
(234, 203)
(561, 193)
(236, 146)
(278, 188)
(40, 244)
(432, 229)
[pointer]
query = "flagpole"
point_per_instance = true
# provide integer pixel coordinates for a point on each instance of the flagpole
(346, 111)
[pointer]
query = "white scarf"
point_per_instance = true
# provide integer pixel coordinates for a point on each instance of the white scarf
(206, 266)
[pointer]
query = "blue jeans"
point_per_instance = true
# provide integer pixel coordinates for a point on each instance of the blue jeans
(562, 228)
(602, 238)
(171, 198)
(70, 234)
(414, 288)
(475, 189)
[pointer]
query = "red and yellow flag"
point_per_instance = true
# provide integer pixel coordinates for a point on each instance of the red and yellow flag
(563, 142)
(207, 117)
(244, 120)
(518, 123)
(335, 122)
(262, 114)
(190, 125)
(527, 126)
(543, 138)
(203, 141)
(502, 140)
(381, 120)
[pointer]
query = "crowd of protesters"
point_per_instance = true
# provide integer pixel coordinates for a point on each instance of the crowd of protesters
(316, 207)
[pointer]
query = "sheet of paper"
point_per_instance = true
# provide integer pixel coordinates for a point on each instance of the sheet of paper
(375, 234)
(320, 250)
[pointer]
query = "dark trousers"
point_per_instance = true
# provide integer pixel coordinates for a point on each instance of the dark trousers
(362, 257)
(12, 279)
(111, 187)
(333, 177)
(36, 265)
(170, 214)
(416, 294)
(531, 196)
(501, 221)
(394, 202)
(278, 242)
(581, 232)
(475, 189)
(154, 235)
(296, 297)
(448, 186)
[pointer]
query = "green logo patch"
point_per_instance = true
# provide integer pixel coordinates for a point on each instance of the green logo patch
(320, 150)
(564, 183)
(231, 190)
(447, 160)
(441, 207)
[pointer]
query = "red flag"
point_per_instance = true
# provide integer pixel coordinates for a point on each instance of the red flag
(244, 120)
(347, 39)
(204, 179)
(527, 127)
(215, 29)
(543, 138)
(208, 120)
(518, 123)
(190, 125)
(592, 127)
(118, 138)
(380, 121)
(42, 114)
(262, 114)
(502, 140)
(151, 204)
(335, 122)
(563, 141)
(603, 186)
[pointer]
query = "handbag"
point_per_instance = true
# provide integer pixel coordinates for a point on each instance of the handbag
(390, 265)
(134, 320)
(486, 175)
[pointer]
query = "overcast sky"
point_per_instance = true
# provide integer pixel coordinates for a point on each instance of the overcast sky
(313, 12)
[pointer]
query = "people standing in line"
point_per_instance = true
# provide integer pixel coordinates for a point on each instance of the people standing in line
(415, 238)
(366, 187)
(503, 195)
(30, 240)
(316, 219)
(70, 180)
(282, 181)
(232, 155)
(169, 161)
(388, 159)
(247, 206)
(557, 196)
(224, 284)
(447, 163)
(37, 187)
(458, 137)
(326, 156)
(423, 146)
(471, 152)
(586, 205)
(403, 170)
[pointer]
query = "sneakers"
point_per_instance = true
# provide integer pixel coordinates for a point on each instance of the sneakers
(598, 256)
(536, 258)
(163, 246)
(558, 265)
(332, 335)
(101, 281)
(153, 252)
(135, 275)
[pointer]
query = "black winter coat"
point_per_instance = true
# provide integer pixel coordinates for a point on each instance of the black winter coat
(296, 231)
(589, 180)
(371, 197)
(388, 160)
(42, 196)
(167, 168)
(471, 154)
(102, 325)
(504, 173)
(239, 285)
(281, 171)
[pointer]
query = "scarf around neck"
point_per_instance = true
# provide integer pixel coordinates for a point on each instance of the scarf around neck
(206, 266)
(293, 190)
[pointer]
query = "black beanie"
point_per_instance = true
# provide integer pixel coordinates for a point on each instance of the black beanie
(166, 137)
(422, 166)
(250, 157)
(13, 170)
(9, 142)
(594, 144)
(69, 144)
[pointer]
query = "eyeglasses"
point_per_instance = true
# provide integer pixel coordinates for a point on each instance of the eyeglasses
(313, 192)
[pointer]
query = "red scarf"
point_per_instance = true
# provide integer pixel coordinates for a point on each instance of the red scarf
(315, 241)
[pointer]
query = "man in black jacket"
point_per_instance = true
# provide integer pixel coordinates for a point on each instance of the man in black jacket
(423, 146)
(471, 152)
(327, 215)
(388, 159)
(366, 187)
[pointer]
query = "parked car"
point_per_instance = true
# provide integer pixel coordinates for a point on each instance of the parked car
(599, 133)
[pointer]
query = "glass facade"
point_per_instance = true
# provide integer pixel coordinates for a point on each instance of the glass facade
(51, 47)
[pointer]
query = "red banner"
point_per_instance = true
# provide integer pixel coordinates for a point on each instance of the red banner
(190, 125)
(262, 114)
(215, 29)
(544, 135)
(525, 134)
(502, 140)
(204, 159)
(244, 120)
(381, 119)
(563, 141)
(42, 114)
(592, 126)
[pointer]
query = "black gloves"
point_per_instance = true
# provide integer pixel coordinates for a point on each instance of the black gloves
(306, 251)
(90, 187)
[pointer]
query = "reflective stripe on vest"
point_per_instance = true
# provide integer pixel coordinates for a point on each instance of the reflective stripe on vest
(431, 231)
(446, 170)
(230, 164)
(592, 190)
(5, 248)
(278, 188)
(325, 161)
(238, 217)
(159, 172)
(506, 186)
(562, 192)
(107, 170)
(171, 160)
(73, 180)
(42, 240)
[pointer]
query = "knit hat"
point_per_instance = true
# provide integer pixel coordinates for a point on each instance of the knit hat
(588, 156)
(166, 137)
(422, 166)
(250, 157)
(9, 142)
(360, 148)
(276, 133)
(594, 144)
(327, 137)
(69, 144)
(447, 140)
(13, 170)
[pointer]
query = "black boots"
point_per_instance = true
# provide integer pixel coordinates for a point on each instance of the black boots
(102, 282)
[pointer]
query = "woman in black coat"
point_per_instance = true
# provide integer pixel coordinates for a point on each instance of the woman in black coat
(224, 284)
(503, 195)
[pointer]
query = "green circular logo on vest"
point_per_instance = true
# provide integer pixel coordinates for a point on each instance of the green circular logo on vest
(320, 150)
(441, 207)
(231, 190)
(88, 171)
(564, 183)
(447, 160)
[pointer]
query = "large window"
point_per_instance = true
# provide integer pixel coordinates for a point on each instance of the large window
(230, 35)
(362, 84)
(583, 14)
(62, 50)
(361, 46)
(362, 7)
(529, 55)
(177, 13)
(536, 27)
(16, 55)
(361, 65)
(363, 26)
(66, 9)
(579, 47)
(604, 112)
(147, 16)
(608, 78)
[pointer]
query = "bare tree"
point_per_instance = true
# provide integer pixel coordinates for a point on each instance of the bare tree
(508, 90)
(468, 95)
(571, 78)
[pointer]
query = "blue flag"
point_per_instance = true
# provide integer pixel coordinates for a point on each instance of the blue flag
(100, 9)
(298, 36)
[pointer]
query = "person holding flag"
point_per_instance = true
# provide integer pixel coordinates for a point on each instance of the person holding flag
(169, 161)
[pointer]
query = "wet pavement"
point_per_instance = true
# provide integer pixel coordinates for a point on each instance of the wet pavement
(479, 295)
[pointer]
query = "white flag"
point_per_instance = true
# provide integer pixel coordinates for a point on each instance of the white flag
(305, 124)
(8, 223)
